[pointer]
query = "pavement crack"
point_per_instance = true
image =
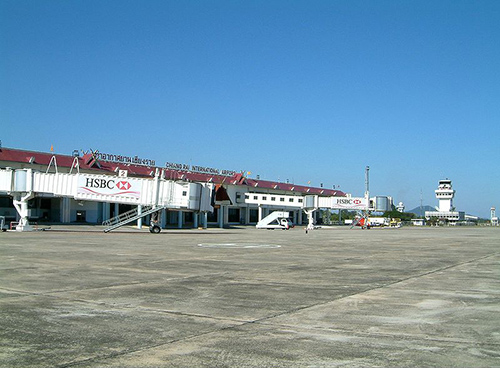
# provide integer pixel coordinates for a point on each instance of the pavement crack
(389, 284)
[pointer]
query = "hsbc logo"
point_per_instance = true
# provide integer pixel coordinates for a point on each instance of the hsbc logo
(113, 187)
(350, 201)
(107, 184)
(123, 185)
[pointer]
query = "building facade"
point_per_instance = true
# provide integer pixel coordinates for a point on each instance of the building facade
(445, 210)
(238, 199)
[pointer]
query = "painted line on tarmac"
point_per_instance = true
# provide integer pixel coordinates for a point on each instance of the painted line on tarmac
(238, 245)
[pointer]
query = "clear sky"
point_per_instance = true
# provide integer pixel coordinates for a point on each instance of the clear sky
(299, 90)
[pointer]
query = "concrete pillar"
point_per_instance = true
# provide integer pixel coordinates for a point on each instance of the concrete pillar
(106, 211)
(195, 220)
(163, 218)
(117, 209)
(299, 219)
(205, 220)
(247, 215)
(226, 215)
(65, 210)
(139, 220)
(260, 214)
(179, 219)
(221, 216)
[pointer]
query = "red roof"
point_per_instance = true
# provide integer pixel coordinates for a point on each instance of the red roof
(87, 162)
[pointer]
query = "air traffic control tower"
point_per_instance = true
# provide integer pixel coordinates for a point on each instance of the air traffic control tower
(445, 210)
(445, 194)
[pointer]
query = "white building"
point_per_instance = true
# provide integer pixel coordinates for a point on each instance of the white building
(494, 218)
(400, 207)
(445, 209)
(238, 199)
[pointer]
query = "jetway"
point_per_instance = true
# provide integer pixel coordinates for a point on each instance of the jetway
(156, 193)
(308, 203)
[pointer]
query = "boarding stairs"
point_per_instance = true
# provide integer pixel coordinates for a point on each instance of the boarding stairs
(363, 220)
(272, 220)
(129, 216)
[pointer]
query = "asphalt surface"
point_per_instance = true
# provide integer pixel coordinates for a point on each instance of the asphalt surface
(76, 297)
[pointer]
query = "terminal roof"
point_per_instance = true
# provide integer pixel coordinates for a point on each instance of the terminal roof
(89, 162)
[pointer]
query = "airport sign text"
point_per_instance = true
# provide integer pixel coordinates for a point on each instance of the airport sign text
(198, 169)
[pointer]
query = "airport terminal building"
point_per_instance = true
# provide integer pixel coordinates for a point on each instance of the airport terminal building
(238, 199)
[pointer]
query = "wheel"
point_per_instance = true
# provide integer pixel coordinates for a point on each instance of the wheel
(155, 229)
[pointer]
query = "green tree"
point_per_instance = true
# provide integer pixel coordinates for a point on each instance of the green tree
(404, 216)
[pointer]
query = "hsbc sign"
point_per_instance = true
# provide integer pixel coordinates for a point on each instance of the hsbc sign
(108, 186)
(351, 203)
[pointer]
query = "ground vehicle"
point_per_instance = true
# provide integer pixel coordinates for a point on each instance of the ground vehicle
(275, 220)
(395, 222)
(378, 221)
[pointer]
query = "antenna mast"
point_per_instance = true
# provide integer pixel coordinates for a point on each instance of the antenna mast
(367, 182)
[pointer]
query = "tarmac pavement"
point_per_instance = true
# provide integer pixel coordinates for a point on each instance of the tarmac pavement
(73, 296)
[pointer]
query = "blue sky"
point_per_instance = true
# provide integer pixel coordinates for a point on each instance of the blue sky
(299, 90)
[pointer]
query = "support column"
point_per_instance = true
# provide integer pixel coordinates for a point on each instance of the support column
(163, 218)
(139, 220)
(21, 205)
(117, 209)
(299, 217)
(221, 216)
(226, 215)
(195, 219)
(205, 220)
(247, 215)
(65, 210)
(310, 216)
(179, 219)
(105, 211)
(260, 214)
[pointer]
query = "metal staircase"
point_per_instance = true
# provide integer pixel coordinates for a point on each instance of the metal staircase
(127, 217)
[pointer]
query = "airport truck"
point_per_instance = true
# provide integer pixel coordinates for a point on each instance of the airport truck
(275, 220)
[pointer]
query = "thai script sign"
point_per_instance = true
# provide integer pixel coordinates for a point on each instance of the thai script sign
(109, 186)
(125, 159)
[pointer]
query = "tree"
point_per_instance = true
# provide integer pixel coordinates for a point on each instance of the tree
(404, 216)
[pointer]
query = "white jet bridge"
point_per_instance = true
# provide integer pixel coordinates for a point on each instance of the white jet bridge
(308, 204)
(152, 194)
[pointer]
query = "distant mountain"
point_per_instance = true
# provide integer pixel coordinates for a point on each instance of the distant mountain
(417, 212)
